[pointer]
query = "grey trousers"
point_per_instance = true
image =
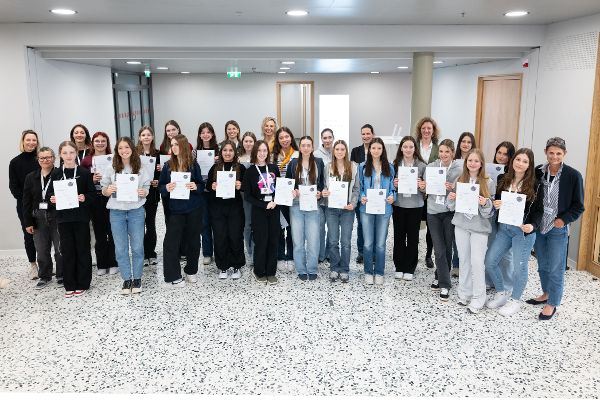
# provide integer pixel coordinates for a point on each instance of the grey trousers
(472, 247)
(45, 236)
(442, 234)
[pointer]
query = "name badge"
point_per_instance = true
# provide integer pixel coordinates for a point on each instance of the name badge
(43, 205)
(548, 210)
(441, 200)
(406, 194)
(268, 198)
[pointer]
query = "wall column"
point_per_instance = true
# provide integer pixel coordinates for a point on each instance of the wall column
(422, 77)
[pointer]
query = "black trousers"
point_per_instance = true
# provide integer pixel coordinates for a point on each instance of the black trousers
(265, 231)
(285, 250)
(45, 236)
(105, 245)
(406, 238)
(150, 235)
(27, 237)
(428, 239)
(77, 256)
(182, 229)
(228, 234)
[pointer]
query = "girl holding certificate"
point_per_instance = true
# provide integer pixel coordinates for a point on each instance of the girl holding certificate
(341, 178)
(248, 141)
(376, 177)
(227, 213)
(304, 213)
(519, 238)
(104, 245)
(259, 188)
(472, 229)
(408, 207)
(171, 130)
(74, 223)
(185, 223)
(80, 135)
(127, 213)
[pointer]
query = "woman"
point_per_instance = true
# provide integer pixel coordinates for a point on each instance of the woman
(340, 220)
(227, 215)
(232, 133)
(147, 148)
(248, 141)
(439, 219)
(172, 129)
(40, 218)
(18, 169)
(563, 204)
(520, 178)
(428, 133)
(284, 150)
(207, 140)
(307, 171)
(259, 187)
(466, 142)
(471, 231)
(127, 216)
(74, 223)
(104, 246)
(80, 135)
(268, 127)
(185, 223)
(505, 151)
(375, 173)
(407, 210)
(324, 152)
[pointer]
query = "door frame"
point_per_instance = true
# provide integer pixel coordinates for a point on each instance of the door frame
(278, 85)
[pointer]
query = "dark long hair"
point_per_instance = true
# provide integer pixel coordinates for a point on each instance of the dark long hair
(277, 145)
(166, 143)
(221, 162)
(140, 146)
(88, 139)
(312, 167)
(212, 144)
(385, 165)
(400, 155)
(458, 154)
(528, 183)
(234, 123)
(134, 160)
(510, 150)
(184, 161)
(257, 144)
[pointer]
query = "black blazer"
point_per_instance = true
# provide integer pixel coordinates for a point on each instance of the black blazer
(534, 210)
(570, 193)
(358, 154)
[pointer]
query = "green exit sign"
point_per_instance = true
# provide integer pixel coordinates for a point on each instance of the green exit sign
(234, 74)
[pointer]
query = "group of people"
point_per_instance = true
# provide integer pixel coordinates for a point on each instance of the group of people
(250, 221)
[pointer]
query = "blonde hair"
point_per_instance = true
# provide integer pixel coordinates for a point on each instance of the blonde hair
(482, 177)
(22, 141)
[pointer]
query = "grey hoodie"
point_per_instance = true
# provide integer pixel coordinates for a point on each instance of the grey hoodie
(479, 223)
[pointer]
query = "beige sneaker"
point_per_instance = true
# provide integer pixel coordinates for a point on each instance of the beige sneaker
(379, 279)
(33, 271)
(4, 283)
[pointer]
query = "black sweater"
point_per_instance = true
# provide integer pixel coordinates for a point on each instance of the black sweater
(18, 169)
(212, 193)
(85, 186)
(534, 210)
(253, 183)
(358, 154)
(570, 193)
(32, 196)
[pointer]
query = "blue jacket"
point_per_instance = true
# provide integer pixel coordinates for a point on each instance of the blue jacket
(178, 206)
(366, 182)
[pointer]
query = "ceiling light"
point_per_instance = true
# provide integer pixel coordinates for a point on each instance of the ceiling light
(438, 62)
(185, 72)
(284, 68)
(281, 72)
(288, 62)
(518, 13)
(297, 13)
(134, 62)
(374, 72)
(164, 68)
(402, 67)
(63, 11)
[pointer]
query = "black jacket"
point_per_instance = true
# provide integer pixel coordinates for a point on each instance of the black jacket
(291, 168)
(534, 210)
(212, 193)
(252, 184)
(32, 196)
(570, 193)
(18, 169)
(358, 154)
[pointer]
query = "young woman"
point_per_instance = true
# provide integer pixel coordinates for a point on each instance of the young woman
(185, 223)
(520, 178)
(232, 133)
(18, 169)
(268, 127)
(172, 129)
(324, 152)
(248, 141)
(207, 140)
(284, 150)
(439, 219)
(505, 151)
(39, 216)
(376, 173)
(471, 232)
(80, 135)
(259, 187)
(127, 217)
(74, 223)
(407, 211)
(466, 142)
(104, 245)
(307, 171)
(147, 148)
(227, 215)
(340, 220)
(563, 204)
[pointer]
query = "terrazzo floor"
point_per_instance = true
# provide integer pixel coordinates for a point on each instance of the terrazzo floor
(313, 338)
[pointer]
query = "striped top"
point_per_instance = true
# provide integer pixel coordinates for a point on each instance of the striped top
(551, 191)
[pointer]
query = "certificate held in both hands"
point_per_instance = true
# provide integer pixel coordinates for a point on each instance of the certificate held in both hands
(225, 184)
(127, 186)
(66, 195)
(467, 198)
(205, 159)
(512, 209)
(407, 180)
(308, 197)
(284, 191)
(435, 178)
(338, 194)
(375, 201)
(181, 192)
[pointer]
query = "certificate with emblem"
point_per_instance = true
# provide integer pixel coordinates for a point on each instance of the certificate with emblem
(338, 194)
(66, 195)
(467, 198)
(308, 197)
(225, 184)
(284, 188)
(100, 163)
(512, 209)
(375, 201)
(127, 186)
(435, 181)
(149, 165)
(205, 159)
(493, 170)
(407, 180)
(180, 192)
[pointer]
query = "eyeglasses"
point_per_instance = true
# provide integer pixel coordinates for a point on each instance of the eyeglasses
(45, 158)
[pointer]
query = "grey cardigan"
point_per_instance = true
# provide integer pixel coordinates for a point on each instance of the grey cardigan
(415, 200)
(479, 223)
(354, 183)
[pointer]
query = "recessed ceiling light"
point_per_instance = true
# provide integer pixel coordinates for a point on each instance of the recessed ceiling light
(284, 68)
(297, 13)
(438, 62)
(288, 62)
(374, 72)
(63, 11)
(134, 62)
(518, 13)
(281, 72)
(185, 72)
(402, 67)
(162, 68)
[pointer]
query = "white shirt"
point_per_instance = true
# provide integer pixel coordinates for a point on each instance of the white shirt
(426, 151)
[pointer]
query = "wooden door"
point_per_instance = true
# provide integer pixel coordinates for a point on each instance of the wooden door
(497, 114)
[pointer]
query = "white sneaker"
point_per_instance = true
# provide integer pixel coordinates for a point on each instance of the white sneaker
(498, 300)
(291, 265)
(113, 270)
(282, 266)
(179, 283)
(511, 307)
(192, 278)
(207, 260)
(399, 275)
(102, 271)
(236, 274)
(379, 279)
(223, 275)
(33, 271)
(444, 294)
(408, 277)
(369, 279)
(473, 310)
(152, 261)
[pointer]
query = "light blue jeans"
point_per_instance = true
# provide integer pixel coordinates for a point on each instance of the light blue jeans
(324, 244)
(506, 266)
(375, 230)
(305, 237)
(508, 237)
(551, 253)
(339, 232)
(128, 231)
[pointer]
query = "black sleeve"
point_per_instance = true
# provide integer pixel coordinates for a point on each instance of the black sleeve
(321, 178)
(210, 179)
(197, 178)
(353, 156)
(164, 178)
(575, 209)
(13, 180)
(251, 189)
(498, 195)
(28, 200)
(88, 189)
(536, 212)
(242, 170)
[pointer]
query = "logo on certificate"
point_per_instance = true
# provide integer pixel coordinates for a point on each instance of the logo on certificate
(312, 189)
(151, 161)
(289, 182)
(381, 192)
(70, 184)
(412, 170)
(231, 175)
(473, 188)
(185, 176)
(131, 178)
(519, 199)
(209, 154)
(441, 172)
(343, 185)
(498, 168)
(109, 158)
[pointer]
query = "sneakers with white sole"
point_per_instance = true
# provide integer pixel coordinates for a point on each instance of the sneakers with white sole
(192, 278)
(408, 277)
(179, 283)
(498, 300)
(102, 271)
(399, 275)
(113, 270)
(444, 294)
(511, 307)
(369, 280)
(33, 271)
(379, 279)
(236, 274)
(223, 275)
(207, 260)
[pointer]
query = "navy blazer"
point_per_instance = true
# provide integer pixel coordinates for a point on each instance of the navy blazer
(570, 193)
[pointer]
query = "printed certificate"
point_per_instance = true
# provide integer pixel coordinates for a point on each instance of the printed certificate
(66, 194)
(375, 201)
(467, 198)
(435, 181)
(180, 178)
(127, 186)
(512, 209)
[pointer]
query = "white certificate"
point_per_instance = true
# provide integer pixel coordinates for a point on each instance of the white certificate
(127, 186)
(435, 181)
(225, 184)
(338, 194)
(376, 201)
(100, 163)
(205, 159)
(149, 165)
(512, 209)
(66, 194)
(407, 180)
(493, 170)
(283, 191)
(467, 198)
(164, 158)
(180, 179)
(308, 197)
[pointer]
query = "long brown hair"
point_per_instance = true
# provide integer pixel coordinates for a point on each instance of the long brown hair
(165, 147)
(234, 123)
(182, 162)
(482, 177)
(212, 143)
(103, 134)
(88, 140)
(400, 154)
(253, 157)
(528, 182)
(347, 163)
(221, 161)
(458, 154)
(134, 160)
(385, 165)
(436, 131)
(140, 146)
(312, 168)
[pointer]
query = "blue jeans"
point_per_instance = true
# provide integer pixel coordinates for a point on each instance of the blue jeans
(128, 230)
(375, 230)
(551, 253)
(510, 237)
(248, 228)
(360, 243)
(339, 231)
(324, 244)
(305, 236)
(207, 236)
(506, 266)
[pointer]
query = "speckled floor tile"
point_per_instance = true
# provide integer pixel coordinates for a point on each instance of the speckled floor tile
(295, 338)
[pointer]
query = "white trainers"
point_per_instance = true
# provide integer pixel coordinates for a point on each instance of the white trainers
(498, 300)
(379, 279)
(152, 261)
(444, 294)
(179, 283)
(102, 271)
(369, 279)
(291, 265)
(408, 277)
(473, 310)
(282, 266)
(33, 271)
(399, 275)
(192, 278)
(223, 275)
(207, 260)
(236, 274)
(511, 307)
(113, 270)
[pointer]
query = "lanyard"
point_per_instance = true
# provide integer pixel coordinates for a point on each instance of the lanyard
(74, 172)
(266, 182)
(45, 188)
(82, 157)
(550, 184)
(230, 168)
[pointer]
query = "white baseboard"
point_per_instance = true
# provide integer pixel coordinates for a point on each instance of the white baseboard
(572, 264)
(13, 253)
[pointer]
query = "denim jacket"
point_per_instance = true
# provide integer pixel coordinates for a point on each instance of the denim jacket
(387, 183)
